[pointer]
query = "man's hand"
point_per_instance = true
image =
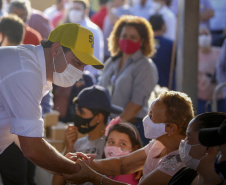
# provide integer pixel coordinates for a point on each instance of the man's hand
(86, 174)
(79, 155)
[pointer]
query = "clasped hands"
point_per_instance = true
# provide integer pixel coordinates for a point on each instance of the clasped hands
(85, 174)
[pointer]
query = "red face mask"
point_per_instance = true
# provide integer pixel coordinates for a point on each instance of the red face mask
(128, 46)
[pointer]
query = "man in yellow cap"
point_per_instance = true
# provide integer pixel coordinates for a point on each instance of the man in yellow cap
(26, 75)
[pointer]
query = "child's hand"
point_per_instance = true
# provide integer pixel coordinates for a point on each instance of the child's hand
(71, 137)
(91, 158)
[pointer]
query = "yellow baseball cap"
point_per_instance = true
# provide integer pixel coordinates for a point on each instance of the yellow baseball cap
(79, 39)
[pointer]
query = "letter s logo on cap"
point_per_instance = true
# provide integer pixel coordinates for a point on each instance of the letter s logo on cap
(91, 40)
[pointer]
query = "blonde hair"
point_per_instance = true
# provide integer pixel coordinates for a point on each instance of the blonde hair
(179, 109)
(142, 26)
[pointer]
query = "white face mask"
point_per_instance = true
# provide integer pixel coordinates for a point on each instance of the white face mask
(153, 130)
(75, 16)
(205, 41)
(184, 150)
(156, 5)
(68, 77)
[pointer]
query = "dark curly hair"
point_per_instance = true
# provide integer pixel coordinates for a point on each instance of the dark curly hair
(144, 29)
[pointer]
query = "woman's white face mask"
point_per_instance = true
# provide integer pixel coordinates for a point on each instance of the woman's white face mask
(153, 130)
(68, 77)
(184, 150)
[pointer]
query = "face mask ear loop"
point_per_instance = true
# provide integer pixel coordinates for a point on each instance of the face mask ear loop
(196, 144)
(64, 55)
(203, 156)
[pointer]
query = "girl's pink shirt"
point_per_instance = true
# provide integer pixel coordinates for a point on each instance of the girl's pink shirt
(129, 179)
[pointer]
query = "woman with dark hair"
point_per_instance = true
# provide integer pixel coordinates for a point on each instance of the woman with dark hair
(198, 158)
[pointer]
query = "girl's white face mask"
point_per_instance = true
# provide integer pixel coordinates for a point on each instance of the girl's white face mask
(68, 77)
(153, 130)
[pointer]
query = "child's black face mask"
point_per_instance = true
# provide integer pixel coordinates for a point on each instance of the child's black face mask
(83, 124)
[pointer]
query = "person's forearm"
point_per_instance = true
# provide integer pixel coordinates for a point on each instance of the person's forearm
(130, 111)
(44, 155)
(128, 164)
(110, 167)
(206, 15)
(58, 180)
(100, 179)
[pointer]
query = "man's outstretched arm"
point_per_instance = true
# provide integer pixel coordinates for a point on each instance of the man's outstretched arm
(41, 153)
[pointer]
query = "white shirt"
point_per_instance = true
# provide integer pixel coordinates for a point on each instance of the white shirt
(170, 21)
(98, 43)
(22, 86)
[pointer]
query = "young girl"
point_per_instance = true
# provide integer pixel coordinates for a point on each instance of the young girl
(122, 138)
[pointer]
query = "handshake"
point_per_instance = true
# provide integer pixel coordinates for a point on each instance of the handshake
(85, 174)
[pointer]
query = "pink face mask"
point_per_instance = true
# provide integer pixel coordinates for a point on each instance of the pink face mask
(128, 46)
(114, 151)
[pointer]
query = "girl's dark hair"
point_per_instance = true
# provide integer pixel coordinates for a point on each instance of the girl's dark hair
(209, 120)
(48, 44)
(131, 131)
